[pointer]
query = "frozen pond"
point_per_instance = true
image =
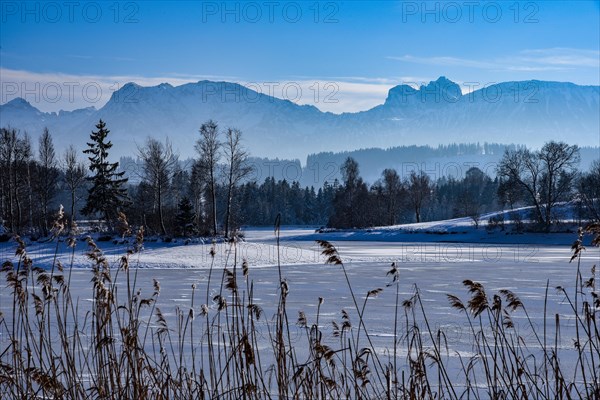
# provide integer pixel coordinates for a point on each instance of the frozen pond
(437, 269)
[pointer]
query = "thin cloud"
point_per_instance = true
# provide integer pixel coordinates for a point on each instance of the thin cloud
(362, 79)
(519, 68)
(534, 60)
(444, 61)
(339, 96)
(201, 77)
(563, 57)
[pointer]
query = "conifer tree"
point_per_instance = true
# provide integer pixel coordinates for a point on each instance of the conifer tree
(107, 196)
(185, 215)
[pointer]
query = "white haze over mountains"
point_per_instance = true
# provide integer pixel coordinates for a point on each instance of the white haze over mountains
(527, 112)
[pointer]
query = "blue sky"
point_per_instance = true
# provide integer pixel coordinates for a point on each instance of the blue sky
(352, 52)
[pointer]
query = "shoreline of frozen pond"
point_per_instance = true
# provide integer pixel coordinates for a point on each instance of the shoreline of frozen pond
(298, 247)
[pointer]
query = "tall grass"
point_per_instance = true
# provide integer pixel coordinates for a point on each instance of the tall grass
(122, 345)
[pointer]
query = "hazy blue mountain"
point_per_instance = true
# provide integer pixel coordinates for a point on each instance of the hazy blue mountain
(528, 112)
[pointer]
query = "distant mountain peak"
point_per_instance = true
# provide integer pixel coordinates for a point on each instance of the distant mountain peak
(399, 95)
(129, 85)
(19, 105)
(19, 102)
(442, 87)
(443, 79)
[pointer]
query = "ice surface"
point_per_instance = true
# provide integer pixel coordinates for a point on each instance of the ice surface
(435, 268)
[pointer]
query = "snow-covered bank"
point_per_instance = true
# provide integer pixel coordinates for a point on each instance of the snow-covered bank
(465, 234)
(297, 248)
(453, 240)
(460, 230)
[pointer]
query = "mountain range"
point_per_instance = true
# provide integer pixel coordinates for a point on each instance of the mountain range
(525, 112)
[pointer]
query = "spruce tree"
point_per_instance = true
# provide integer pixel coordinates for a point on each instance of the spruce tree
(107, 196)
(185, 215)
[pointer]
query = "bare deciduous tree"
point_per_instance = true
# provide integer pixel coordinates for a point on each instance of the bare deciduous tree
(48, 175)
(197, 190)
(236, 169)
(559, 161)
(418, 192)
(208, 150)
(392, 187)
(545, 175)
(75, 174)
(159, 163)
(588, 189)
(8, 140)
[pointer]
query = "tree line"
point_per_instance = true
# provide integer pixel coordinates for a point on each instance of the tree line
(541, 179)
(213, 194)
(168, 200)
